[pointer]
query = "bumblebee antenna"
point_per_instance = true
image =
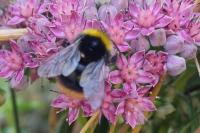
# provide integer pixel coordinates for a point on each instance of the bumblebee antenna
(55, 91)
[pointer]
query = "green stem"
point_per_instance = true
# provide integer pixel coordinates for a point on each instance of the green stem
(15, 112)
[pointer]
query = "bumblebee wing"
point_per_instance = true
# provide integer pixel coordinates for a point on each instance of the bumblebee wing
(63, 62)
(92, 82)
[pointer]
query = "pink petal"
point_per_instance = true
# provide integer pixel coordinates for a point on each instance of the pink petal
(115, 77)
(118, 93)
(134, 9)
(122, 61)
(120, 108)
(146, 104)
(131, 89)
(163, 22)
(139, 116)
(110, 113)
(5, 71)
(15, 47)
(29, 61)
(59, 102)
(72, 115)
(143, 90)
(145, 77)
(134, 92)
(132, 34)
(185, 36)
(15, 20)
(156, 7)
(58, 32)
(127, 88)
(130, 119)
(87, 110)
(147, 31)
(124, 47)
(137, 58)
(17, 78)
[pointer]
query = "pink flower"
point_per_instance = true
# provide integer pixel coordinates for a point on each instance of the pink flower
(73, 25)
(130, 73)
(63, 102)
(108, 109)
(13, 63)
(38, 27)
(132, 109)
(64, 7)
(117, 29)
(195, 32)
(192, 32)
(70, 26)
(180, 11)
(43, 49)
(22, 10)
(146, 18)
(155, 62)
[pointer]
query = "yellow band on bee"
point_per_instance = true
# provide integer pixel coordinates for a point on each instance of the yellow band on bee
(99, 34)
(68, 91)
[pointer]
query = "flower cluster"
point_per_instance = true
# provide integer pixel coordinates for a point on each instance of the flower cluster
(150, 38)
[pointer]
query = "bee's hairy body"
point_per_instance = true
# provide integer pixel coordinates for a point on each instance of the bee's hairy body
(93, 46)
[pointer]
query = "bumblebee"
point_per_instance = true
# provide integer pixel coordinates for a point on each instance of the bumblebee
(80, 67)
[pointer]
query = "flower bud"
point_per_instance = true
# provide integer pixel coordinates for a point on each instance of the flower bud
(91, 13)
(140, 44)
(102, 2)
(158, 38)
(175, 65)
(189, 51)
(106, 10)
(120, 4)
(174, 44)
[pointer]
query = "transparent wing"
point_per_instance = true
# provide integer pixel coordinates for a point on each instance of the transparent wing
(92, 81)
(63, 62)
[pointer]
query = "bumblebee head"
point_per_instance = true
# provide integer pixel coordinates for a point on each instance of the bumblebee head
(99, 35)
(94, 45)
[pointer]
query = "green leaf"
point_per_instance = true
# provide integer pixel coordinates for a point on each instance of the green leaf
(4, 84)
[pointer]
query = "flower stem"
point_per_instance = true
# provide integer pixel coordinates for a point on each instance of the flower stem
(94, 126)
(197, 65)
(112, 128)
(90, 122)
(15, 111)
(7, 34)
(124, 128)
(52, 120)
